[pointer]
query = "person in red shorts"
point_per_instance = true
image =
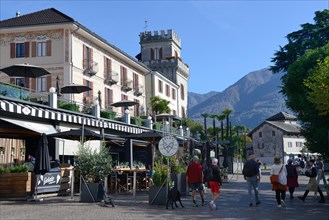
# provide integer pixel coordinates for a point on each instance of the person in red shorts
(215, 182)
(194, 179)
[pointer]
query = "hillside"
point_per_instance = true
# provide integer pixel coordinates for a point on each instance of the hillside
(253, 98)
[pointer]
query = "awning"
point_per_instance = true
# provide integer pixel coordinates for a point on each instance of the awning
(8, 128)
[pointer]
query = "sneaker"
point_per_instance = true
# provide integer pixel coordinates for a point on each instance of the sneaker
(279, 206)
(283, 203)
(195, 205)
(322, 201)
(291, 197)
(301, 198)
(250, 204)
(203, 203)
(258, 203)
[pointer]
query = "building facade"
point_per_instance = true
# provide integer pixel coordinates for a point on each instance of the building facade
(278, 135)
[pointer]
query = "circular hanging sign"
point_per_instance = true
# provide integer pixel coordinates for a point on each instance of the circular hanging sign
(168, 146)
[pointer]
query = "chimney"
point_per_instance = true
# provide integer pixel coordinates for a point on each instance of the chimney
(18, 14)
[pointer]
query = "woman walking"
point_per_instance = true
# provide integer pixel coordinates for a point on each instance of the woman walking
(292, 178)
(280, 188)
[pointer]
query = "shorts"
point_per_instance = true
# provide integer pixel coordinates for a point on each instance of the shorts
(214, 187)
(196, 186)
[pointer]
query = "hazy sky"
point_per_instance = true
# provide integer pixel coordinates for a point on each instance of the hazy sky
(221, 40)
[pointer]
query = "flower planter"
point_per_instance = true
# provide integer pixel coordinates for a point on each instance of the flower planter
(91, 192)
(15, 185)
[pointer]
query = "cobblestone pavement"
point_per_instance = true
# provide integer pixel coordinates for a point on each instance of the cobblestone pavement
(232, 204)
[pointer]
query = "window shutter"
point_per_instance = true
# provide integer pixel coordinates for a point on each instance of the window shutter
(121, 75)
(12, 50)
(34, 84)
(84, 83)
(91, 59)
(152, 54)
(27, 49)
(48, 48)
(27, 82)
(105, 68)
(160, 54)
(48, 83)
(84, 59)
(34, 49)
(106, 101)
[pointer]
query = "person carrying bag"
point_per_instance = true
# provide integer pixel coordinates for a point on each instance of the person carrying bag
(279, 181)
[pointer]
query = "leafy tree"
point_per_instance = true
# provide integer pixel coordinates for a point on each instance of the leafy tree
(318, 83)
(195, 127)
(227, 113)
(311, 36)
(304, 59)
(205, 116)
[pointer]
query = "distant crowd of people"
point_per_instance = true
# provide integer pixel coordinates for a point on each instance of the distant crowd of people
(287, 174)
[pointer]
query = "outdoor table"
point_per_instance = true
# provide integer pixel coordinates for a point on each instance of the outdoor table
(127, 171)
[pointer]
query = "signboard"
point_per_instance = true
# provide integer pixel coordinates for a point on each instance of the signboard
(168, 146)
(49, 182)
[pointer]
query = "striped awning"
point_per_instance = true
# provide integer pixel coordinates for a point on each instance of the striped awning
(65, 116)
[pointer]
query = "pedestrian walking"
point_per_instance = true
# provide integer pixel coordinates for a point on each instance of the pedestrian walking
(312, 184)
(252, 176)
(194, 179)
(280, 188)
(292, 177)
(215, 183)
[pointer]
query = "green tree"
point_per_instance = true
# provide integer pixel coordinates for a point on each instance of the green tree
(221, 118)
(205, 116)
(227, 113)
(318, 83)
(311, 36)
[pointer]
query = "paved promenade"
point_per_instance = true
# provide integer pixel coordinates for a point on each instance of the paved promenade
(232, 204)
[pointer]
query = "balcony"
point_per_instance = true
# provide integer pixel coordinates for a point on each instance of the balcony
(127, 86)
(112, 78)
(90, 67)
(138, 90)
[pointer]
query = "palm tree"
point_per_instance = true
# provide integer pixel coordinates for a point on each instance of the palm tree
(205, 116)
(159, 105)
(213, 116)
(220, 118)
(227, 113)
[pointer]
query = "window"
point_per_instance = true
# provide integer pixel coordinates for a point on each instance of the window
(160, 86)
(41, 84)
(183, 112)
(20, 82)
(182, 92)
(289, 144)
(156, 53)
(20, 50)
(173, 94)
(260, 134)
(167, 90)
(273, 133)
(299, 144)
(41, 46)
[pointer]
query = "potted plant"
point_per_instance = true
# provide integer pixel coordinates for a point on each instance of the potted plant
(157, 192)
(93, 166)
(15, 181)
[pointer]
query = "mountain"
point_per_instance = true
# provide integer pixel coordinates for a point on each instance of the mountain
(254, 98)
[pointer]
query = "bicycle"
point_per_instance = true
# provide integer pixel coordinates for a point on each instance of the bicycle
(106, 198)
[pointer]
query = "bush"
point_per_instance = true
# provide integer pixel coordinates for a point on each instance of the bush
(108, 114)
(15, 169)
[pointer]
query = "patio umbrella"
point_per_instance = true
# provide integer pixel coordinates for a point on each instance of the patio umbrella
(77, 135)
(25, 70)
(124, 103)
(42, 163)
(74, 88)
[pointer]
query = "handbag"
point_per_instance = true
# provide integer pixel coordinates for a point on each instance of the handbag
(275, 178)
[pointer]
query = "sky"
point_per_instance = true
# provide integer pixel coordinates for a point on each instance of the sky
(222, 41)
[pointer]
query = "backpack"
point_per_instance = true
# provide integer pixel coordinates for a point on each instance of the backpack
(248, 169)
(302, 164)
